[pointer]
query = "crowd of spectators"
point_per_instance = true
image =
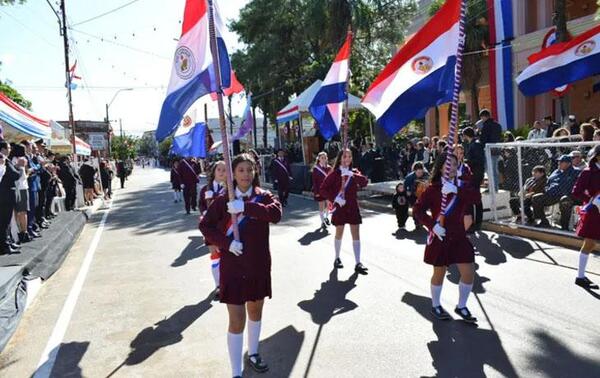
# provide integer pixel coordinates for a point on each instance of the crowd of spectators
(31, 177)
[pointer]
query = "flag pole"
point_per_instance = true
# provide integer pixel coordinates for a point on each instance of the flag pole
(455, 98)
(346, 107)
(223, 127)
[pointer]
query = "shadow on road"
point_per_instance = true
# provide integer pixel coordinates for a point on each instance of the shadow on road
(166, 332)
(454, 277)
(194, 250)
(66, 364)
(330, 300)
(280, 351)
(461, 350)
(555, 360)
(314, 236)
(418, 236)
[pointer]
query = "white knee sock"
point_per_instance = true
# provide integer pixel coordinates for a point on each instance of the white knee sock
(235, 344)
(436, 293)
(583, 259)
(215, 270)
(253, 336)
(174, 196)
(463, 293)
(356, 248)
(338, 247)
(322, 216)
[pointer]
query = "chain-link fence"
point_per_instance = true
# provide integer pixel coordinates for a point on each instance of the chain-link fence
(530, 182)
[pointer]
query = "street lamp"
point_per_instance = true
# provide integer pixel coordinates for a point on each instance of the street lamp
(108, 119)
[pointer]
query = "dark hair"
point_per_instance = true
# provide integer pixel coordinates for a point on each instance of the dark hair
(417, 165)
(4, 145)
(397, 185)
(441, 144)
(469, 132)
(587, 132)
(210, 178)
(338, 159)
(539, 168)
(510, 137)
(438, 167)
(484, 113)
(246, 158)
(547, 118)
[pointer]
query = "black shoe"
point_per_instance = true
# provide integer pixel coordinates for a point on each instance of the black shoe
(440, 313)
(585, 283)
(338, 264)
(361, 269)
(15, 246)
(327, 222)
(24, 237)
(217, 296)
(44, 226)
(187, 212)
(543, 224)
(257, 364)
(465, 314)
(34, 234)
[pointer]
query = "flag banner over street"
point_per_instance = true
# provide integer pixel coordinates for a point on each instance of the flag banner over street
(247, 121)
(326, 107)
(190, 138)
(288, 115)
(193, 71)
(420, 75)
(562, 63)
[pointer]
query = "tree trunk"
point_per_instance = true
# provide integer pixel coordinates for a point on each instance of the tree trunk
(475, 101)
(562, 35)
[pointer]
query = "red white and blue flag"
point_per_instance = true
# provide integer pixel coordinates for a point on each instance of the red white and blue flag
(326, 107)
(193, 74)
(247, 120)
(420, 75)
(562, 63)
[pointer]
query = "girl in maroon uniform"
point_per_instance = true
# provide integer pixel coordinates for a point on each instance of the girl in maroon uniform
(216, 186)
(176, 182)
(587, 189)
(320, 171)
(341, 188)
(246, 267)
(448, 244)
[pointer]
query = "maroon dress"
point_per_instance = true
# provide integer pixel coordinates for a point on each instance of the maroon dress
(586, 189)
(332, 186)
(189, 178)
(456, 247)
(175, 180)
(247, 277)
(318, 176)
(203, 203)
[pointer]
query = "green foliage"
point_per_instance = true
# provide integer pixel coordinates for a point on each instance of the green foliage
(291, 43)
(11, 2)
(14, 95)
(164, 147)
(125, 147)
(147, 146)
(522, 131)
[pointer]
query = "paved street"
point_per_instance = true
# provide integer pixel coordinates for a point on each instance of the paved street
(145, 309)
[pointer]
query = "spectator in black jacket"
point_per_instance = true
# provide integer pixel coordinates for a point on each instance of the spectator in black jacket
(69, 179)
(8, 176)
(475, 160)
(551, 126)
(491, 132)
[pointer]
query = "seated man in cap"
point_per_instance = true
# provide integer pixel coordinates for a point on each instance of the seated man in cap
(558, 190)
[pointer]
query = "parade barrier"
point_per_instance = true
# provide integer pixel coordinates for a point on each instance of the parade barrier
(38, 259)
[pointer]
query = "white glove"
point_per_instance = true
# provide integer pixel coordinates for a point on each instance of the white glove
(182, 186)
(235, 206)
(439, 231)
(449, 188)
(209, 194)
(236, 248)
(340, 201)
(596, 202)
(347, 172)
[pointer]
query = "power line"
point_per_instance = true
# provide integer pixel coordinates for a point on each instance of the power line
(106, 13)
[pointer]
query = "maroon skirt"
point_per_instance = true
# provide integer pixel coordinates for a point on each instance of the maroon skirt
(348, 214)
(589, 224)
(319, 198)
(244, 279)
(457, 250)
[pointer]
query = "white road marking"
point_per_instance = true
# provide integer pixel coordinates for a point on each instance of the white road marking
(48, 358)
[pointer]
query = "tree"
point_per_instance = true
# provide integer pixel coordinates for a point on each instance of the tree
(476, 37)
(291, 43)
(124, 147)
(165, 147)
(147, 146)
(11, 2)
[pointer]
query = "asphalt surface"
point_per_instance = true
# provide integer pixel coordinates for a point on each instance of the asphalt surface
(145, 309)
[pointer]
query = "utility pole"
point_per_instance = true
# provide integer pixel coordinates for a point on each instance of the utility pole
(121, 129)
(68, 76)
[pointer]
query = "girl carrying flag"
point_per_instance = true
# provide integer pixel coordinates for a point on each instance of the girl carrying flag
(320, 171)
(215, 187)
(341, 188)
(246, 266)
(587, 189)
(448, 244)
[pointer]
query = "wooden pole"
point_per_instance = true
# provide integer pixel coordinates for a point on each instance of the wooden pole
(224, 137)
(455, 99)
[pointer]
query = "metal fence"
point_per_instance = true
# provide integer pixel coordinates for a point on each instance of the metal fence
(510, 165)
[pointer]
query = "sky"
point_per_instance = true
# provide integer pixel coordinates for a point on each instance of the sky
(129, 48)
